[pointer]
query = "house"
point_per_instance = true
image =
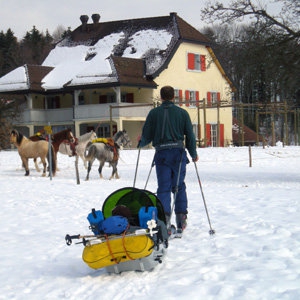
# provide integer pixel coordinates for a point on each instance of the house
(107, 76)
(242, 135)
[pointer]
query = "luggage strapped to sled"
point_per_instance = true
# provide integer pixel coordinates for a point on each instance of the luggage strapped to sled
(136, 248)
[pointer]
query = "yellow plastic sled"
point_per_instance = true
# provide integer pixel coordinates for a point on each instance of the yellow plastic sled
(115, 250)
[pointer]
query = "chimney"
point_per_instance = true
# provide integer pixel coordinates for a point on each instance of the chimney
(96, 18)
(84, 19)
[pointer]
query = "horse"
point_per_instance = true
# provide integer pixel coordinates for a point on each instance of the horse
(106, 152)
(60, 137)
(56, 140)
(37, 137)
(29, 149)
(79, 146)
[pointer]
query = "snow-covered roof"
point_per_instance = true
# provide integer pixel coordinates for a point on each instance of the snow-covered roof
(15, 80)
(85, 58)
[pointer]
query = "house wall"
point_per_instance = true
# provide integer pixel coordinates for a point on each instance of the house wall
(38, 101)
(180, 77)
(91, 113)
(210, 80)
(66, 101)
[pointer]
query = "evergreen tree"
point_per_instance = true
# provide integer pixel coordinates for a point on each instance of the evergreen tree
(9, 52)
(36, 46)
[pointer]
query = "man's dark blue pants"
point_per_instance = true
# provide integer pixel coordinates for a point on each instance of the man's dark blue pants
(167, 164)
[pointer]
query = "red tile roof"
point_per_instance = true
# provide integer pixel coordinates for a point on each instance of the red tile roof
(250, 136)
(129, 71)
(35, 76)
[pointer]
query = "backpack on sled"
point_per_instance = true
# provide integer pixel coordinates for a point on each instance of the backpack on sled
(130, 233)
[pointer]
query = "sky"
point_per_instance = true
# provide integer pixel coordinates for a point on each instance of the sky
(253, 255)
(21, 15)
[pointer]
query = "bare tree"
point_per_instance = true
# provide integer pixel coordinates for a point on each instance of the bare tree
(9, 111)
(58, 33)
(261, 54)
(287, 22)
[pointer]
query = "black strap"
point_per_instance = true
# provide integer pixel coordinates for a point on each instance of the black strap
(166, 119)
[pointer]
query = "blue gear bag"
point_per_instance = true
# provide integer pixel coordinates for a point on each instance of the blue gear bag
(95, 219)
(147, 213)
(115, 225)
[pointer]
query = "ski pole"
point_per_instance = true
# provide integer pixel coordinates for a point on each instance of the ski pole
(102, 237)
(177, 184)
(136, 167)
(152, 165)
(211, 231)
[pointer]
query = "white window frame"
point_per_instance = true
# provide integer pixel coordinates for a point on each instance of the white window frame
(214, 97)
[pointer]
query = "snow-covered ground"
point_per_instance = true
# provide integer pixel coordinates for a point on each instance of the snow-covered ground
(255, 253)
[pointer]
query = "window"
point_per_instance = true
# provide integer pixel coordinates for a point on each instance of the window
(214, 136)
(109, 98)
(127, 98)
(81, 100)
(53, 102)
(196, 62)
(104, 130)
(191, 98)
(90, 56)
(213, 98)
(178, 96)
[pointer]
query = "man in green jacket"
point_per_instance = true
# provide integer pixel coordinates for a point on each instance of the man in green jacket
(170, 130)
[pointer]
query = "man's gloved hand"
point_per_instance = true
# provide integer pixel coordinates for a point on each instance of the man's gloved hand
(195, 159)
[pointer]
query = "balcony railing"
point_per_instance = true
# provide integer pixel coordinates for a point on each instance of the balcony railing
(115, 110)
(42, 116)
(85, 112)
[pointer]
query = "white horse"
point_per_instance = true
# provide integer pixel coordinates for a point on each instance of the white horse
(79, 147)
(106, 152)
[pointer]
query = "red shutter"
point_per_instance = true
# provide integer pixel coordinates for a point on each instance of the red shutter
(203, 62)
(197, 98)
(191, 61)
(56, 102)
(208, 136)
(187, 98)
(102, 99)
(218, 97)
(180, 97)
(209, 99)
(114, 129)
(221, 135)
(129, 98)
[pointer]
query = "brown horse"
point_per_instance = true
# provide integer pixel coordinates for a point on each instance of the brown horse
(61, 136)
(29, 149)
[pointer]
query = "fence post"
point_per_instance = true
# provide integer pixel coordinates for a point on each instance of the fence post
(250, 157)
